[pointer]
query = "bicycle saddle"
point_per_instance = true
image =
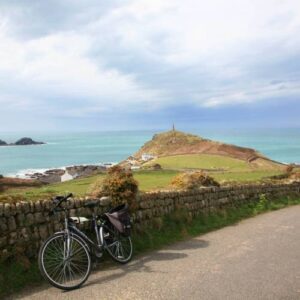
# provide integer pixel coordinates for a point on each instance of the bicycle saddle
(91, 204)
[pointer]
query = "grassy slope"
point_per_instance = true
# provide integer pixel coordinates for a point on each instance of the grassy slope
(148, 180)
(202, 161)
(235, 170)
(245, 176)
(153, 180)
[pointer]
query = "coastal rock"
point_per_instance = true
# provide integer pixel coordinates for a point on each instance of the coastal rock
(59, 175)
(2, 143)
(83, 171)
(52, 178)
(55, 172)
(27, 141)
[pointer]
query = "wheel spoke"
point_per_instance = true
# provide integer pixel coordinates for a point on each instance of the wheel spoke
(66, 266)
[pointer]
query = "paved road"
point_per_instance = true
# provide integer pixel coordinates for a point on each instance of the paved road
(257, 259)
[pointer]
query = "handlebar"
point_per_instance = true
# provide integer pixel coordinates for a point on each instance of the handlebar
(58, 200)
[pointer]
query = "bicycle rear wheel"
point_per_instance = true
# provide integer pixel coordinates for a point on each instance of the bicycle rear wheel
(118, 246)
(66, 264)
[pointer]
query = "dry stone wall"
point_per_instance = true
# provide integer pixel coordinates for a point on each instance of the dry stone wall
(25, 225)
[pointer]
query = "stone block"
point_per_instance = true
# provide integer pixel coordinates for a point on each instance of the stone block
(20, 217)
(3, 224)
(1, 209)
(72, 212)
(39, 217)
(24, 235)
(13, 238)
(31, 205)
(38, 206)
(3, 241)
(43, 231)
(25, 207)
(29, 219)
(18, 207)
(7, 209)
(11, 223)
(223, 201)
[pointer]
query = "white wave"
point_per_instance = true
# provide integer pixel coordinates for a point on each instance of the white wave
(25, 173)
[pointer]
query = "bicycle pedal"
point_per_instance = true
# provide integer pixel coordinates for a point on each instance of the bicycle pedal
(94, 265)
(98, 254)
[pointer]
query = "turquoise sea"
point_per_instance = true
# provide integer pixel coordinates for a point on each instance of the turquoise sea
(65, 149)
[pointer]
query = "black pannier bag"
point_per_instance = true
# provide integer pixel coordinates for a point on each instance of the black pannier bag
(119, 217)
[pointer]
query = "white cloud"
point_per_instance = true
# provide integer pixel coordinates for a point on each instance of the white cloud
(249, 94)
(143, 55)
(193, 31)
(58, 66)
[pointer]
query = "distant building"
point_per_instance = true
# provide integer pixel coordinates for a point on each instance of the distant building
(135, 167)
(146, 156)
(67, 176)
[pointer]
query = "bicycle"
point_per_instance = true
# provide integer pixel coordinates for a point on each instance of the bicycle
(65, 258)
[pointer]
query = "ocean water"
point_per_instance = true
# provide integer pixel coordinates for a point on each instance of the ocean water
(66, 149)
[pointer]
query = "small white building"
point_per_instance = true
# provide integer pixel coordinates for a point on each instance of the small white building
(135, 167)
(146, 156)
(67, 177)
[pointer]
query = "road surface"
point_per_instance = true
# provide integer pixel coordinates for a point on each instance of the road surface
(258, 258)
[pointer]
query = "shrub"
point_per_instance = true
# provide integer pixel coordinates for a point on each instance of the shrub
(193, 180)
(154, 167)
(119, 185)
(289, 169)
(295, 176)
(95, 189)
(262, 204)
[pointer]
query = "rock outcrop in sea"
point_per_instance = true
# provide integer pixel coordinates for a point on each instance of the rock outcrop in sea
(27, 141)
(22, 142)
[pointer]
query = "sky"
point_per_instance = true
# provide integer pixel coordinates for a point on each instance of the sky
(112, 65)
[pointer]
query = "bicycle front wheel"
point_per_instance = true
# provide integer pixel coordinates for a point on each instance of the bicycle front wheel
(65, 262)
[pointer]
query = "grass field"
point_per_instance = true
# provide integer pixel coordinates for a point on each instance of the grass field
(245, 176)
(148, 180)
(222, 169)
(201, 161)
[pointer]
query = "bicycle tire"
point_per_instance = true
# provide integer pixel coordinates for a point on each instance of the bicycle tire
(45, 272)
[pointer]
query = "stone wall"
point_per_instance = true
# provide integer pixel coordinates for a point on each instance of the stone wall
(24, 225)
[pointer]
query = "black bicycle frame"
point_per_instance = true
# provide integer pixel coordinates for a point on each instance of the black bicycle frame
(98, 230)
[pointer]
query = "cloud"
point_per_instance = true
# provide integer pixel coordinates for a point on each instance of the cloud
(57, 67)
(75, 59)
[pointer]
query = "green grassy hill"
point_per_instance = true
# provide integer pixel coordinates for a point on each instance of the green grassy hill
(180, 144)
(201, 161)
